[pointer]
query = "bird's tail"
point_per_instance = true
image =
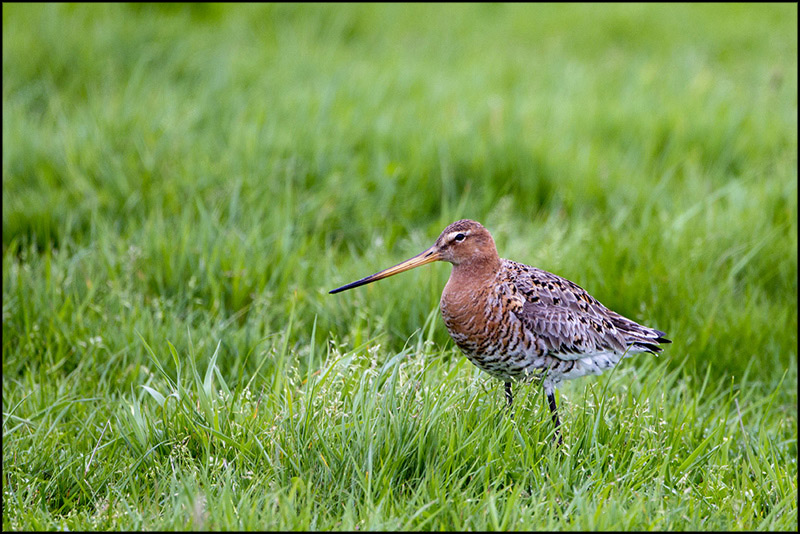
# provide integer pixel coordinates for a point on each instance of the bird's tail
(640, 337)
(650, 344)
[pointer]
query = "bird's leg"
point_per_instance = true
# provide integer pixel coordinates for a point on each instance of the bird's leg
(550, 390)
(509, 395)
(551, 399)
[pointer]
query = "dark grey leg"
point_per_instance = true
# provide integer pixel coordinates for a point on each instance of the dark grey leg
(509, 396)
(550, 391)
(551, 399)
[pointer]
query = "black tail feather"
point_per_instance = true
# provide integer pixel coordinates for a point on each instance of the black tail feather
(661, 338)
(649, 347)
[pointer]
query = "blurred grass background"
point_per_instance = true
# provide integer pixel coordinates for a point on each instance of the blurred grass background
(204, 174)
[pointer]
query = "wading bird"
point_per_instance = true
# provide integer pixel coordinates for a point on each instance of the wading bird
(518, 322)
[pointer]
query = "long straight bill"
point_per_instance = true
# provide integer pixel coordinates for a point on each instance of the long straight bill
(428, 256)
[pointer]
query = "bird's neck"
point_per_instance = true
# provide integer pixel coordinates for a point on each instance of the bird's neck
(474, 272)
(468, 284)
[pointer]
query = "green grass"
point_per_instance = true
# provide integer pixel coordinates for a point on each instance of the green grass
(182, 185)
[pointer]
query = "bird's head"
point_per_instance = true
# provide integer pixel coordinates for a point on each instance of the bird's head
(463, 242)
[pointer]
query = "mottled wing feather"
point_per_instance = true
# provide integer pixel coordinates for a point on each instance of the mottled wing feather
(569, 335)
(569, 321)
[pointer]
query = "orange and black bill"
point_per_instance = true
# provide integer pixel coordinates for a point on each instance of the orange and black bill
(428, 256)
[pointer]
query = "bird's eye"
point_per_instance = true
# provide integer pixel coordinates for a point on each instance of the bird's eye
(460, 237)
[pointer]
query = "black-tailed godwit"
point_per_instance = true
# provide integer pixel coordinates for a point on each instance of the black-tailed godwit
(518, 322)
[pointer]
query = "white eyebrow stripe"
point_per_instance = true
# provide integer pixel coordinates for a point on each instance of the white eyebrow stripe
(452, 235)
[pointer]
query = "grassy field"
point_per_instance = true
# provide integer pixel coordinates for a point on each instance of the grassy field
(182, 185)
